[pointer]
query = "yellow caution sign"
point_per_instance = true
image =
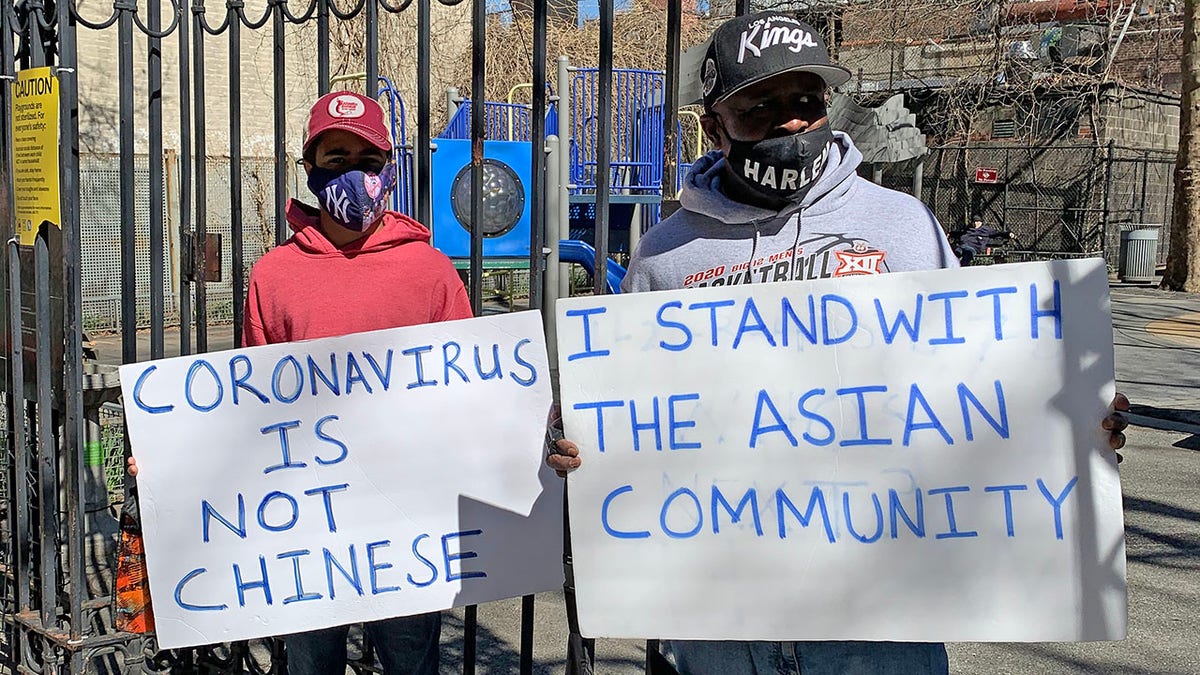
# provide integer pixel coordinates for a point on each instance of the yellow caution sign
(35, 152)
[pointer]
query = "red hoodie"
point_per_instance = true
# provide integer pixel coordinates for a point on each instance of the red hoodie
(308, 288)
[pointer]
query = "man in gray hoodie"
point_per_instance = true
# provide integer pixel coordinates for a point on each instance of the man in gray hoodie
(780, 199)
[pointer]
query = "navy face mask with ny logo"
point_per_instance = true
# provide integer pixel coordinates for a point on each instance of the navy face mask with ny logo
(354, 199)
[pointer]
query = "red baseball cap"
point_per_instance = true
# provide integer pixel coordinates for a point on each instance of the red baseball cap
(352, 112)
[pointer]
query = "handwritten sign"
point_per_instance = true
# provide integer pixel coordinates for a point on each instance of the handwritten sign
(35, 152)
(903, 457)
(298, 486)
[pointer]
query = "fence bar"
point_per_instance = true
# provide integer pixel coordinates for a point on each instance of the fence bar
(743, 7)
(1107, 186)
(372, 21)
(1145, 171)
(185, 183)
(235, 172)
(537, 133)
(126, 198)
(671, 104)
(73, 442)
(603, 146)
(198, 249)
(46, 434)
(279, 62)
(478, 130)
(421, 157)
(322, 47)
(154, 160)
(19, 498)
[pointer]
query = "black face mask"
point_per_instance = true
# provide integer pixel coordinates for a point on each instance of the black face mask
(782, 168)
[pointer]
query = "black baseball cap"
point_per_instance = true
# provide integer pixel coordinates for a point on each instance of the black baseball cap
(748, 49)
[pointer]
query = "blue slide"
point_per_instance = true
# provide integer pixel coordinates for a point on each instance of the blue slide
(582, 253)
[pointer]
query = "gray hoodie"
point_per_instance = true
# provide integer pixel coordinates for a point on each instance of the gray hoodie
(845, 225)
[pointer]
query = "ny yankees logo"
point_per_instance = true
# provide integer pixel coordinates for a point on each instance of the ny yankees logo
(337, 202)
(850, 264)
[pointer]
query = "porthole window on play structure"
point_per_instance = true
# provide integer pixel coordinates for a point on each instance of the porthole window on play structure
(503, 198)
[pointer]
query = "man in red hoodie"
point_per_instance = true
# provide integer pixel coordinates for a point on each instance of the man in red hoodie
(353, 266)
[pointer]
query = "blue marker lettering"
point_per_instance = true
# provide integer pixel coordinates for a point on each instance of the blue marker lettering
(863, 438)
(416, 353)
(523, 381)
(320, 431)
(914, 397)
(191, 376)
(764, 402)
(619, 534)
(828, 339)
(1036, 314)
(495, 371)
(1008, 513)
(712, 308)
(451, 362)
(1057, 502)
(385, 375)
(599, 406)
(866, 539)
(749, 499)
(809, 331)
(262, 511)
(588, 352)
(433, 570)
(354, 374)
(282, 428)
(243, 586)
(331, 382)
(951, 338)
(325, 491)
(687, 334)
(999, 426)
(896, 508)
(699, 511)
(997, 315)
(949, 493)
(277, 378)
(675, 424)
(187, 605)
(207, 512)
(815, 417)
(913, 327)
(655, 425)
(300, 595)
(137, 395)
(757, 325)
(817, 499)
(239, 380)
(351, 576)
(449, 557)
(374, 567)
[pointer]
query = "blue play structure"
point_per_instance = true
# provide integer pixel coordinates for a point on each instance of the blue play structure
(635, 180)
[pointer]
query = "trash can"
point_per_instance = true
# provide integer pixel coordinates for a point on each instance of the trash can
(1138, 253)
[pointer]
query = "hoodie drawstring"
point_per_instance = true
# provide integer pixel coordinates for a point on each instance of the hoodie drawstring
(750, 262)
(796, 243)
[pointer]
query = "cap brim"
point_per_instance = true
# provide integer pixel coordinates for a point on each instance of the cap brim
(831, 75)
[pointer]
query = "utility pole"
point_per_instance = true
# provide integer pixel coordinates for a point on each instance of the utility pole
(1183, 259)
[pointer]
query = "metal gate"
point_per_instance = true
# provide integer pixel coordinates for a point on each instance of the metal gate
(56, 586)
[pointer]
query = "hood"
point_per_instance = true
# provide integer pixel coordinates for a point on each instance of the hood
(702, 192)
(393, 230)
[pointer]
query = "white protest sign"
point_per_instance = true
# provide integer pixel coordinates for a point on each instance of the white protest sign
(298, 486)
(904, 457)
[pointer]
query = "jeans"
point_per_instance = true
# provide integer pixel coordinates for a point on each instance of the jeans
(406, 645)
(705, 657)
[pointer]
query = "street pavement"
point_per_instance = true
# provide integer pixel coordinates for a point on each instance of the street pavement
(1157, 352)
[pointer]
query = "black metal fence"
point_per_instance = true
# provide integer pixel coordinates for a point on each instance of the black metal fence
(56, 578)
(1059, 200)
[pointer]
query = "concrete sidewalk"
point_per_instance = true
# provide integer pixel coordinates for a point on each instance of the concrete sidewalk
(1156, 341)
